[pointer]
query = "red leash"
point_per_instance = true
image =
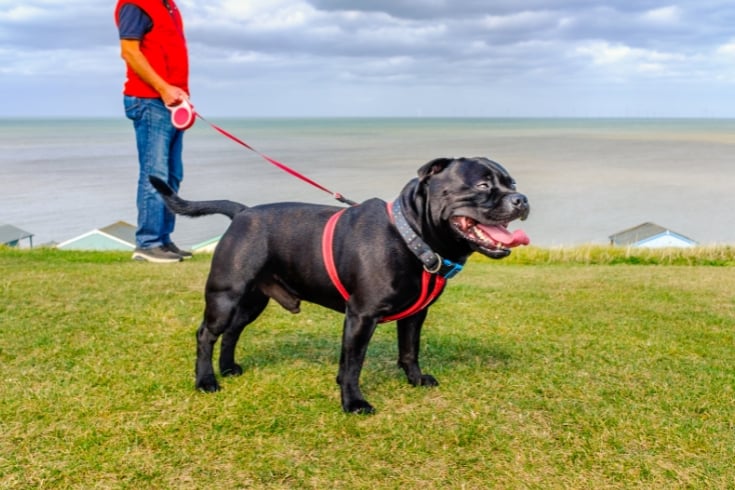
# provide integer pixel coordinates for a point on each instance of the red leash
(278, 164)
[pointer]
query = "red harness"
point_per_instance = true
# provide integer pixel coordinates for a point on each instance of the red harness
(428, 292)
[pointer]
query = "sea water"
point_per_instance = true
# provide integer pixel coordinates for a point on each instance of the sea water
(586, 179)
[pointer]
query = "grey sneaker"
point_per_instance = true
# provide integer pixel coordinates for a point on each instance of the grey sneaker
(159, 255)
(171, 247)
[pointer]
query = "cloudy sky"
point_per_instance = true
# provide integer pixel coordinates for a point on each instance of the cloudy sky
(455, 58)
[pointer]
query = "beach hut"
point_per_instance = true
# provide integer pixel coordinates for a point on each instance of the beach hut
(12, 236)
(651, 235)
(117, 236)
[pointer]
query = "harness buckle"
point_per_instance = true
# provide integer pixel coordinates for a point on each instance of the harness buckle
(444, 267)
(439, 264)
(450, 269)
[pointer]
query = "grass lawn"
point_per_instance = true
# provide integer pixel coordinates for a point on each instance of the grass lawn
(575, 368)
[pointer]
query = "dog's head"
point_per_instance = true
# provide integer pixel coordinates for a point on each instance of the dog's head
(477, 199)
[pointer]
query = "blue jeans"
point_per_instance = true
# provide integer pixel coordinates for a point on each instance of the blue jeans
(160, 147)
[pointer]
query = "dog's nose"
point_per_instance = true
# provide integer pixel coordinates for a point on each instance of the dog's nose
(520, 204)
(519, 201)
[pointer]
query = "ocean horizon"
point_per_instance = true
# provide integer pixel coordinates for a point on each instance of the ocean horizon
(586, 178)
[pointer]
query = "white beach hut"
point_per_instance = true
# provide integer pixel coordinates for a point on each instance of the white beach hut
(651, 235)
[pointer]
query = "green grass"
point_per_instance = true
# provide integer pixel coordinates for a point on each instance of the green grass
(568, 368)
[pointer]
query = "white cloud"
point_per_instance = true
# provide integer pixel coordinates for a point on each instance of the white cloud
(604, 53)
(519, 20)
(624, 60)
(663, 16)
(727, 49)
(21, 13)
(250, 16)
(400, 33)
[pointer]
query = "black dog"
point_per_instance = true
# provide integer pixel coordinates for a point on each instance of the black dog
(374, 262)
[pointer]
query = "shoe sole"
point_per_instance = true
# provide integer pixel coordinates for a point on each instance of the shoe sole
(181, 253)
(156, 260)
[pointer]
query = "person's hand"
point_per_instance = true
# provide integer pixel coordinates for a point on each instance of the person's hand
(172, 95)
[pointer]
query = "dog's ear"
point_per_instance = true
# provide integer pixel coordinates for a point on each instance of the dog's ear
(433, 167)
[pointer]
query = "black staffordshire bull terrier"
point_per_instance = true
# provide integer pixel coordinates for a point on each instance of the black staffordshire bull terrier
(374, 261)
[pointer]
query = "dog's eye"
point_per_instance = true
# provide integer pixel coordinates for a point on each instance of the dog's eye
(483, 186)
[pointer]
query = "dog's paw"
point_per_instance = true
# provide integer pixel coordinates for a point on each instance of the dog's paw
(360, 407)
(207, 384)
(423, 380)
(233, 370)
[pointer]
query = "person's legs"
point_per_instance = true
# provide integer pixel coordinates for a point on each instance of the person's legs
(155, 139)
(175, 174)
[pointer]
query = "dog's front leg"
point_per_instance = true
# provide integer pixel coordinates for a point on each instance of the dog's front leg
(358, 330)
(409, 340)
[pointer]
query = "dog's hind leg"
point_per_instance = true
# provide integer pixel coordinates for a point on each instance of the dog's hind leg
(219, 313)
(409, 340)
(205, 379)
(251, 305)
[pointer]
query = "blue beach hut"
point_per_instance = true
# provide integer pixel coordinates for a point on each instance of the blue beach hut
(12, 236)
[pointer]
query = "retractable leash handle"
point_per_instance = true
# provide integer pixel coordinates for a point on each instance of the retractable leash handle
(182, 115)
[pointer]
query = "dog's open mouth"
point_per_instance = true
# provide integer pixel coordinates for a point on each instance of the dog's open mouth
(493, 240)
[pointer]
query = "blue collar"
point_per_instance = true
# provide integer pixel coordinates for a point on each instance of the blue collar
(433, 262)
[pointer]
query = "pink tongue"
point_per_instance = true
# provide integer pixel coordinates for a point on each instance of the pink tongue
(501, 235)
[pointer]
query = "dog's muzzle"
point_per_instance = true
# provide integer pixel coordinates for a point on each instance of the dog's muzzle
(494, 239)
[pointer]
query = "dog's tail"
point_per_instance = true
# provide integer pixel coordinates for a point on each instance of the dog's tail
(194, 208)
